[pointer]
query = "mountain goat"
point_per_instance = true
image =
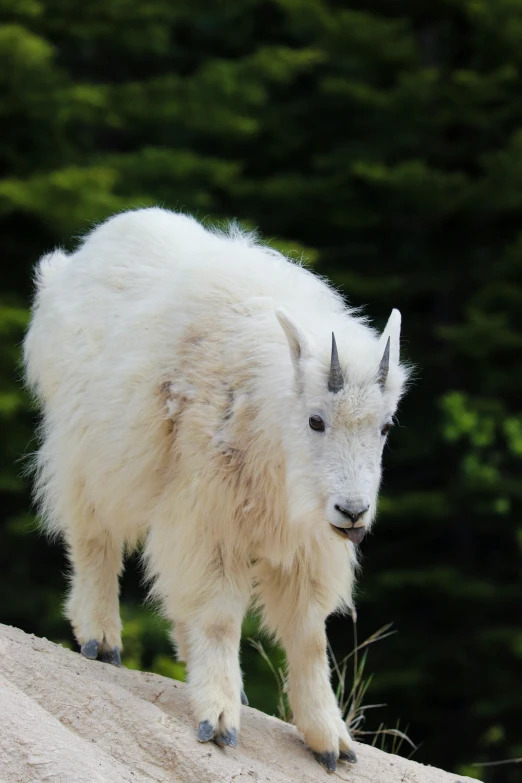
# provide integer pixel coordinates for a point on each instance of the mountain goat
(202, 392)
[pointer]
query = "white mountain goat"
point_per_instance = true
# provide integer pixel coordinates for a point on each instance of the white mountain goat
(194, 394)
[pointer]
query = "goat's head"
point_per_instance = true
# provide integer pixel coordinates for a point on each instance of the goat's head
(345, 411)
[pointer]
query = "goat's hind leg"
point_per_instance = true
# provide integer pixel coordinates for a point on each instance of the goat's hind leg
(93, 603)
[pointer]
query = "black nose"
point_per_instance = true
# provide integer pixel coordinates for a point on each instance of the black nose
(353, 512)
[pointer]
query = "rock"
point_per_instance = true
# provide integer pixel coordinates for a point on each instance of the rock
(66, 719)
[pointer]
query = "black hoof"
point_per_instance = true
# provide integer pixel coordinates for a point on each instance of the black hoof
(111, 656)
(348, 755)
(205, 731)
(326, 760)
(244, 700)
(227, 738)
(93, 651)
(90, 649)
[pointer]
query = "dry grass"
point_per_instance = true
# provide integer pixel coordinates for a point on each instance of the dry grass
(283, 708)
(501, 763)
(351, 684)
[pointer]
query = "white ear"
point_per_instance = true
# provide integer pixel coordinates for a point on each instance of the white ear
(393, 331)
(297, 341)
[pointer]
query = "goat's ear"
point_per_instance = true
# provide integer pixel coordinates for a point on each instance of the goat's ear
(297, 341)
(392, 330)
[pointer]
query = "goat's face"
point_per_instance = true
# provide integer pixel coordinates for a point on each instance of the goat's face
(347, 432)
(346, 416)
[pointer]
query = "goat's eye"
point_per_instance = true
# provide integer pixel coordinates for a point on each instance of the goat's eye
(316, 423)
(387, 427)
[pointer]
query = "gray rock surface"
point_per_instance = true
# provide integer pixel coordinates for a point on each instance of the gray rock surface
(65, 719)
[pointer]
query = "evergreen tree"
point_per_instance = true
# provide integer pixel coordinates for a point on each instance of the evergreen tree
(382, 141)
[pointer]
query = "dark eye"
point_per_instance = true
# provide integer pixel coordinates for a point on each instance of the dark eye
(385, 430)
(316, 423)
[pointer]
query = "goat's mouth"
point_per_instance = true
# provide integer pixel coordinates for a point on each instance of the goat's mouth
(353, 534)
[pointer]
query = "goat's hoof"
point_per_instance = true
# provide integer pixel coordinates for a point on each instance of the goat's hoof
(205, 731)
(90, 649)
(111, 656)
(94, 651)
(328, 760)
(244, 700)
(348, 755)
(228, 737)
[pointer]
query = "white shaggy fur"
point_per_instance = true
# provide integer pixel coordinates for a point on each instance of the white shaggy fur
(178, 368)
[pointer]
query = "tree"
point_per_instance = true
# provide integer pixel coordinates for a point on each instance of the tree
(383, 142)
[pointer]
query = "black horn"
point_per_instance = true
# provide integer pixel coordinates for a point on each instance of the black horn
(384, 366)
(335, 378)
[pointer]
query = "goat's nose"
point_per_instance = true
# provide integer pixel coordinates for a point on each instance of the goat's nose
(353, 511)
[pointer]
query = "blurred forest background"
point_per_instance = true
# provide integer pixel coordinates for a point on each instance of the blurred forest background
(384, 142)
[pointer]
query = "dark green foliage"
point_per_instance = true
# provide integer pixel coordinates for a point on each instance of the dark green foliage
(383, 140)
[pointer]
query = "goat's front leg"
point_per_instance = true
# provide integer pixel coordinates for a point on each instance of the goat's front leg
(313, 702)
(214, 675)
(179, 637)
(298, 616)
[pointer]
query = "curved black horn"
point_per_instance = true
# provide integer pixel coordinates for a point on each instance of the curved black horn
(335, 378)
(384, 366)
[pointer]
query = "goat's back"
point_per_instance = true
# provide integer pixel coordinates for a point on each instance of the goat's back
(152, 297)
